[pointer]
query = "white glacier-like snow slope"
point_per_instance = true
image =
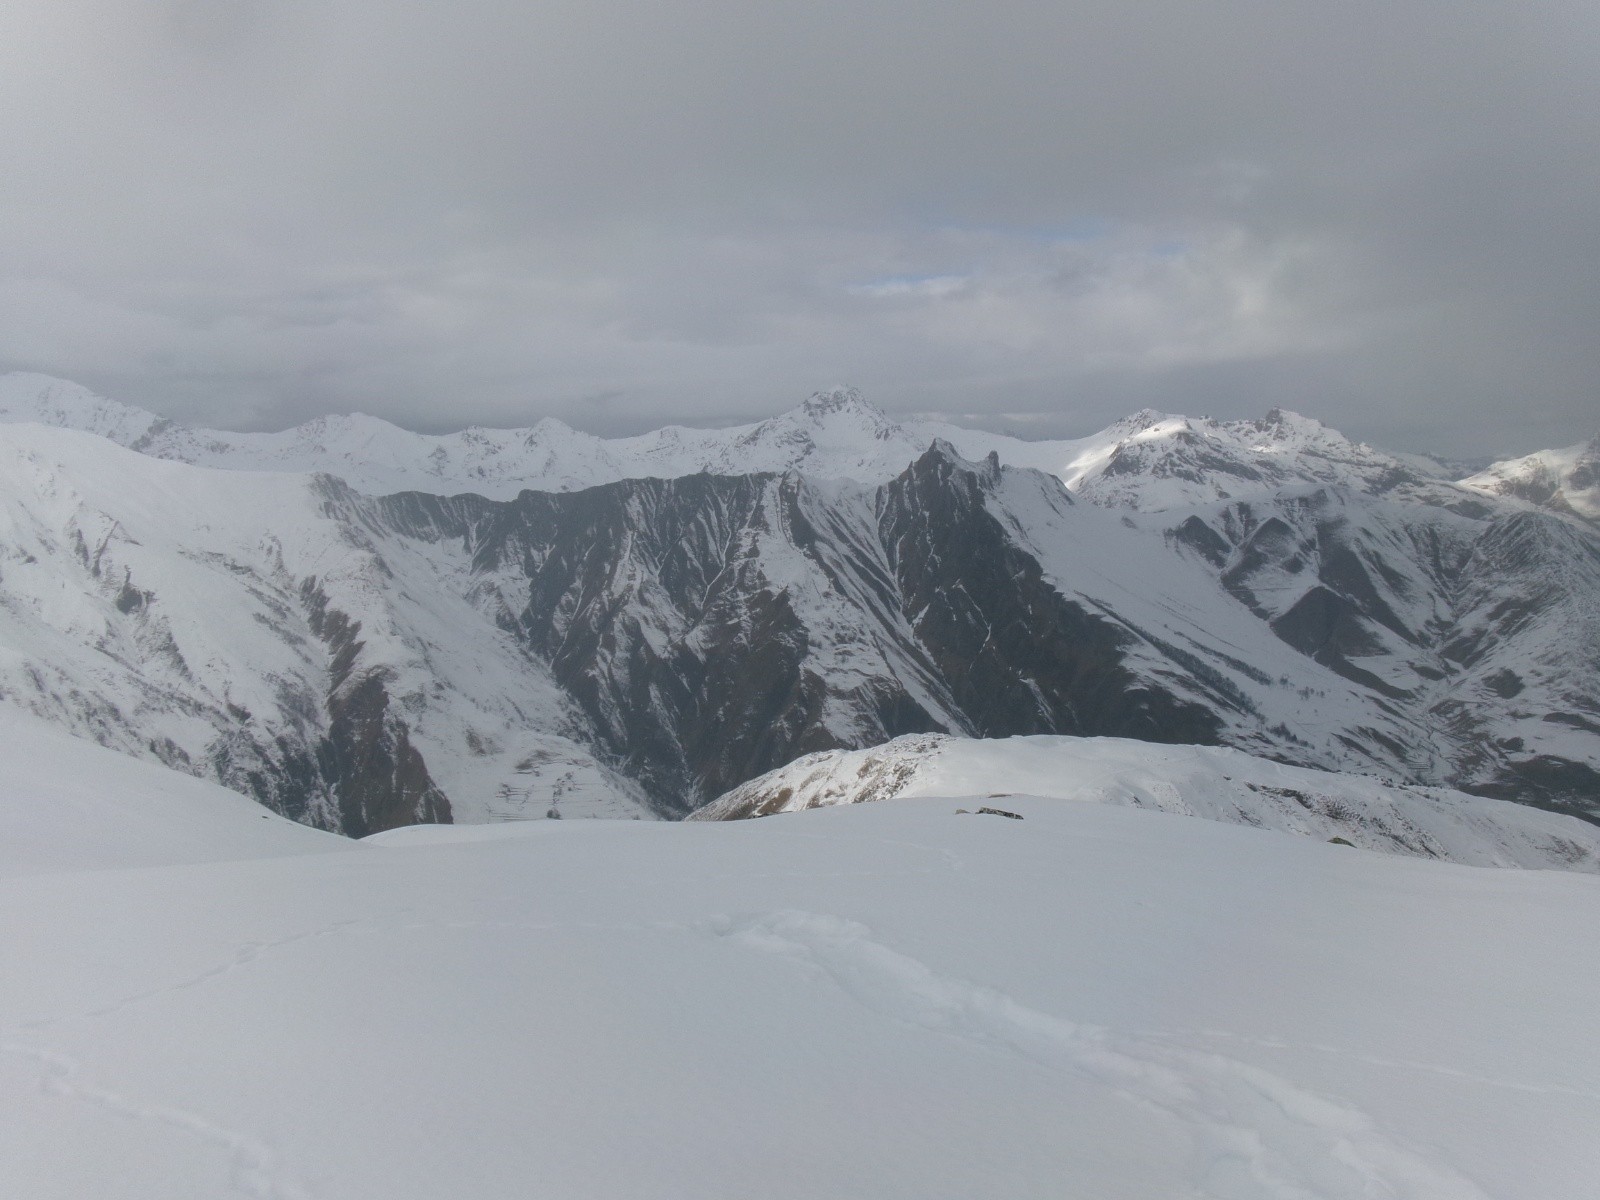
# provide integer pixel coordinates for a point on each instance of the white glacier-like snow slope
(1211, 782)
(882, 1000)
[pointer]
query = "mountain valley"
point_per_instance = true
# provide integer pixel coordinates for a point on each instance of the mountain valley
(556, 624)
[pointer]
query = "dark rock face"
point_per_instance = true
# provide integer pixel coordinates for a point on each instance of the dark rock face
(1203, 540)
(1294, 595)
(365, 759)
(346, 762)
(1586, 474)
(713, 628)
(1016, 655)
(694, 633)
(377, 776)
(280, 771)
(1454, 619)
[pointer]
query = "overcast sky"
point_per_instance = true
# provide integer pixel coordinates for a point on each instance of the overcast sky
(1035, 215)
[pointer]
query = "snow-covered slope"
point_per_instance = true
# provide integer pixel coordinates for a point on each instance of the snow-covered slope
(1565, 480)
(1476, 629)
(247, 627)
(45, 400)
(1156, 461)
(1199, 781)
(879, 1000)
(68, 804)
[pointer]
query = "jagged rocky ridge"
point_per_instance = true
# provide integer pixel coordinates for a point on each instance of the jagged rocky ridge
(640, 646)
(713, 627)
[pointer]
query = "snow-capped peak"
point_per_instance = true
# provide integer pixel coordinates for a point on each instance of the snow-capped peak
(823, 404)
(28, 396)
(839, 419)
(1148, 461)
(1566, 480)
(1287, 420)
(1146, 422)
(544, 429)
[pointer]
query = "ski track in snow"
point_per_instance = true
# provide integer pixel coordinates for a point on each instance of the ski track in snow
(242, 957)
(252, 952)
(253, 1166)
(1260, 1136)
(1373, 1060)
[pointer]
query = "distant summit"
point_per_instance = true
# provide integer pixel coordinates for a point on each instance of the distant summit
(840, 400)
(1148, 461)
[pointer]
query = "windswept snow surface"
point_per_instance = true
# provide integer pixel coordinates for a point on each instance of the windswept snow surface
(880, 1001)
(1212, 782)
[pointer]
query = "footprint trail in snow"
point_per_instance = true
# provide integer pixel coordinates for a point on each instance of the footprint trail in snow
(1258, 1136)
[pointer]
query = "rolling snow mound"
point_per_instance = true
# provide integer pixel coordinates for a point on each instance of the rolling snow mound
(1212, 783)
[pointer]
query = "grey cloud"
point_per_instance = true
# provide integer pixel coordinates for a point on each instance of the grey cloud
(248, 211)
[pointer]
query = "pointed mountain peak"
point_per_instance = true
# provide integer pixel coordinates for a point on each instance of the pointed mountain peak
(1284, 431)
(837, 420)
(1146, 421)
(546, 428)
(942, 452)
(1146, 417)
(824, 404)
(1285, 422)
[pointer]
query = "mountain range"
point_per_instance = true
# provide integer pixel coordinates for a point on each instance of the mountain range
(364, 627)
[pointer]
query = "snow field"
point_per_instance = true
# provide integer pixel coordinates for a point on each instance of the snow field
(885, 1000)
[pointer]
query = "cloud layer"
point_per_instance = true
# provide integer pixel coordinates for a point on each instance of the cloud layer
(1038, 215)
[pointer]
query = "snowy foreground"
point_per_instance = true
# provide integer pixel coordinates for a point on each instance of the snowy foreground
(882, 1000)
